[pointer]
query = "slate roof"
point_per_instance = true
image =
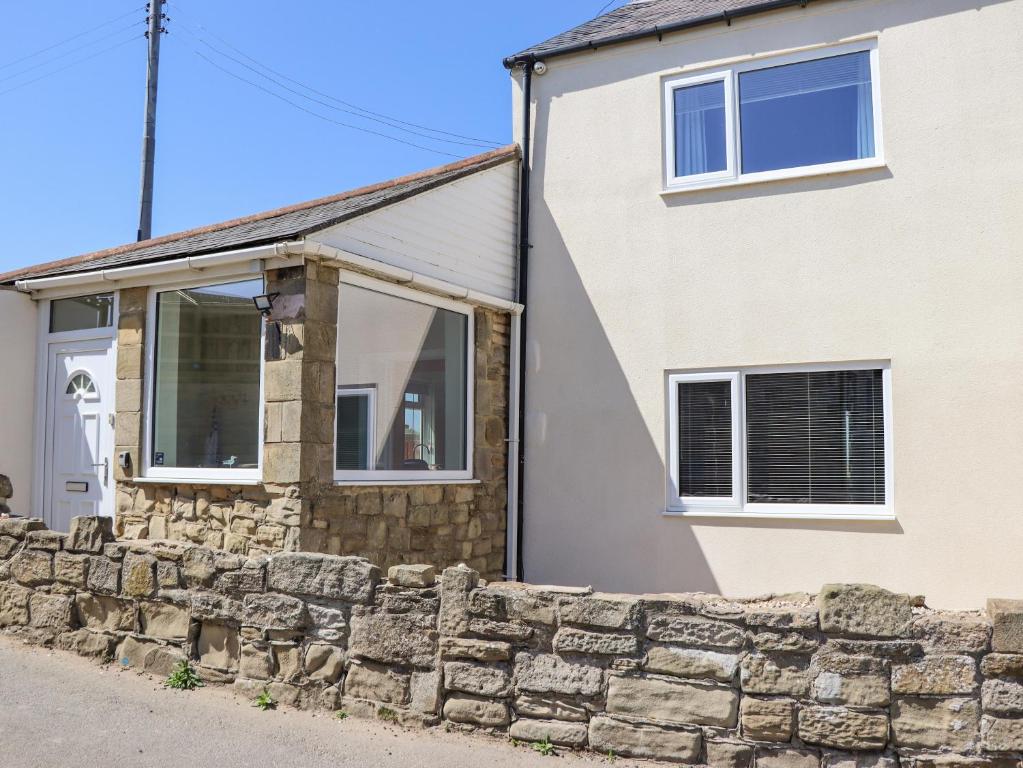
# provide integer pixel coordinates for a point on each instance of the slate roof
(643, 18)
(270, 226)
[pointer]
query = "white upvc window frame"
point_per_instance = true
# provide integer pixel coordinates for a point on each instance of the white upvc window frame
(736, 505)
(81, 333)
(733, 174)
(370, 393)
(712, 177)
(684, 503)
(405, 477)
(197, 475)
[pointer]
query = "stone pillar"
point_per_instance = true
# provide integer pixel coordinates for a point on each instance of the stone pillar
(299, 379)
(131, 324)
(320, 358)
(490, 459)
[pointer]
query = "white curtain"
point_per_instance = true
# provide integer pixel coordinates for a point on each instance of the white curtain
(695, 106)
(864, 107)
(694, 143)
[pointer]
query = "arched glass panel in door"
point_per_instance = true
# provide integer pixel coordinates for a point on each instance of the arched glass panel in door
(80, 385)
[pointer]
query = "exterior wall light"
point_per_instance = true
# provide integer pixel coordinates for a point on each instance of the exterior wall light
(265, 303)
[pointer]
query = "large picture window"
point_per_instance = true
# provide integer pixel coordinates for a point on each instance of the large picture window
(404, 397)
(806, 113)
(206, 404)
(796, 442)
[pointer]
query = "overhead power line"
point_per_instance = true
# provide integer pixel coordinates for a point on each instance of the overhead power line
(317, 114)
(74, 63)
(417, 129)
(328, 105)
(65, 54)
(73, 37)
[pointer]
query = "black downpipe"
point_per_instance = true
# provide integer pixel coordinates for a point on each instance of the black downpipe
(522, 292)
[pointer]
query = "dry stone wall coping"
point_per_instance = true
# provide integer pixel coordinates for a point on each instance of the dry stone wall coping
(854, 677)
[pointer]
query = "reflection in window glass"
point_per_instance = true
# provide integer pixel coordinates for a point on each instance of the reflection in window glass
(700, 129)
(206, 409)
(413, 357)
(808, 113)
(82, 313)
(353, 435)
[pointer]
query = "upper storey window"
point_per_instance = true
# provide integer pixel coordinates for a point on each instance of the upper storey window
(796, 115)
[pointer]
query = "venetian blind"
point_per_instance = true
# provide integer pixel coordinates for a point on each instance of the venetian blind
(815, 438)
(705, 438)
(352, 432)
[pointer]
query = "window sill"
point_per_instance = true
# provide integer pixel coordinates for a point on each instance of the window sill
(440, 481)
(851, 166)
(782, 514)
(194, 481)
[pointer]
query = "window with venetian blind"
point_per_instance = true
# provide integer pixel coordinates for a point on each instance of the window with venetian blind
(799, 442)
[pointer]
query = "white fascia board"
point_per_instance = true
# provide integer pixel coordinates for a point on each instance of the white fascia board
(258, 258)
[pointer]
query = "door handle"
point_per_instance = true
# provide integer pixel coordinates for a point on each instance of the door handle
(106, 469)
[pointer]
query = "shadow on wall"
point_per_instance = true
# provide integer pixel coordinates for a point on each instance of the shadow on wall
(591, 528)
(568, 537)
(776, 188)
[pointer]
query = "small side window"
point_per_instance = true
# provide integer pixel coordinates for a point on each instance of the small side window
(705, 439)
(700, 142)
(700, 128)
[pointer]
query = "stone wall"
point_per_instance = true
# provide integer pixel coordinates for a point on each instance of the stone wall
(6, 491)
(853, 677)
(297, 507)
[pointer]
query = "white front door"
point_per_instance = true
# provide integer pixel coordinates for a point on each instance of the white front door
(80, 431)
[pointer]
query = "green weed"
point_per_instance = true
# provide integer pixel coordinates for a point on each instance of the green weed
(265, 701)
(545, 747)
(183, 678)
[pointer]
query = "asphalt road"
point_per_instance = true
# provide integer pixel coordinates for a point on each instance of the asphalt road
(58, 710)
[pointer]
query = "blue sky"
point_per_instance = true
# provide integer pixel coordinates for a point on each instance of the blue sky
(70, 141)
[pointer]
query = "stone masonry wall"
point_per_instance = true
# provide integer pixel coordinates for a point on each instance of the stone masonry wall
(297, 507)
(853, 677)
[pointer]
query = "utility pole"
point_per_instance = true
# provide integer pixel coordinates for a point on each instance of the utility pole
(156, 28)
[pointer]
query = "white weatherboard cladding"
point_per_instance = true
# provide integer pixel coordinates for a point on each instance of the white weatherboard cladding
(462, 232)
